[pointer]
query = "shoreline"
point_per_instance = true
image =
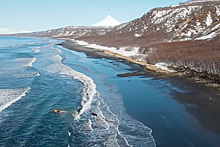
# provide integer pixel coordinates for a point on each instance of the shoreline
(196, 104)
(204, 78)
(148, 66)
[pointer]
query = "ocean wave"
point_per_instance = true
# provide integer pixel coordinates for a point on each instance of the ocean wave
(87, 126)
(131, 131)
(26, 75)
(9, 96)
(31, 61)
(23, 62)
(98, 126)
(19, 68)
(35, 50)
(89, 88)
(107, 127)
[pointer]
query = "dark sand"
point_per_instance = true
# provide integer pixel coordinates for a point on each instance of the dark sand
(88, 51)
(93, 53)
(202, 102)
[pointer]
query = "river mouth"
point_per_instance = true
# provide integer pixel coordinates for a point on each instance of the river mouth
(179, 111)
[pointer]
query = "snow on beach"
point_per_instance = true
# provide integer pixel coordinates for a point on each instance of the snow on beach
(210, 36)
(163, 66)
(125, 51)
(122, 51)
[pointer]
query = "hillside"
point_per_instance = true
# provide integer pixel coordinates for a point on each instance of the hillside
(175, 23)
(185, 35)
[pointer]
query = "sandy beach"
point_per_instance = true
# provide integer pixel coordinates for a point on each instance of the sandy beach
(208, 80)
(198, 105)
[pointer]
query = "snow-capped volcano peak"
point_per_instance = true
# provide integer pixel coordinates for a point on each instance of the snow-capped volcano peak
(107, 22)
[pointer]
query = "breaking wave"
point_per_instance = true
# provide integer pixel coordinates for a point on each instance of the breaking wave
(29, 62)
(98, 125)
(96, 121)
(9, 96)
(19, 68)
(89, 88)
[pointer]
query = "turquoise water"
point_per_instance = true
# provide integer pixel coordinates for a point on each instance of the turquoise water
(37, 76)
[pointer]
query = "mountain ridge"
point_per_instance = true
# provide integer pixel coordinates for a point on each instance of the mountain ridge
(181, 36)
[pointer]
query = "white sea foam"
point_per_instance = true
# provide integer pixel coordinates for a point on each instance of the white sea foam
(17, 68)
(22, 75)
(111, 141)
(35, 50)
(31, 61)
(100, 118)
(106, 123)
(88, 125)
(89, 88)
(69, 133)
(58, 50)
(9, 96)
(116, 124)
(100, 122)
(25, 62)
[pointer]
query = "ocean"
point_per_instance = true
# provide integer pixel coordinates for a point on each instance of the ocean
(98, 107)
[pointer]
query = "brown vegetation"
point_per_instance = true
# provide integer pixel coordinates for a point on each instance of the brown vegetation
(200, 55)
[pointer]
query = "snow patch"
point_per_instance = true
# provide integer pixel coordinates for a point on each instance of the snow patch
(212, 35)
(209, 19)
(163, 66)
(137, 35)
(217, 10)
(125, 51)
(175, 5)
(83, 43)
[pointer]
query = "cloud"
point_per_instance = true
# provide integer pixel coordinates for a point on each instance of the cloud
(8, 31)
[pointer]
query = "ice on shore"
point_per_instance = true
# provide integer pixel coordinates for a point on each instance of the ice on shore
(212, 35)
(125, 51)
(163, 66)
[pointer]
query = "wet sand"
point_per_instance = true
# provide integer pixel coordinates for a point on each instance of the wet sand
(93, 53)
(200, 102)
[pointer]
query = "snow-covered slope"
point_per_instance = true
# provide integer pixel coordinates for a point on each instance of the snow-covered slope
(181, 22)
(186, 21)
(185, 35)
(108, 21)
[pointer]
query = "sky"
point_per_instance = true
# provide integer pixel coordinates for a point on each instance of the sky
(36, 15)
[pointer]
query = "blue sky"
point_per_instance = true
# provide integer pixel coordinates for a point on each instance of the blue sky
(35, 15)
